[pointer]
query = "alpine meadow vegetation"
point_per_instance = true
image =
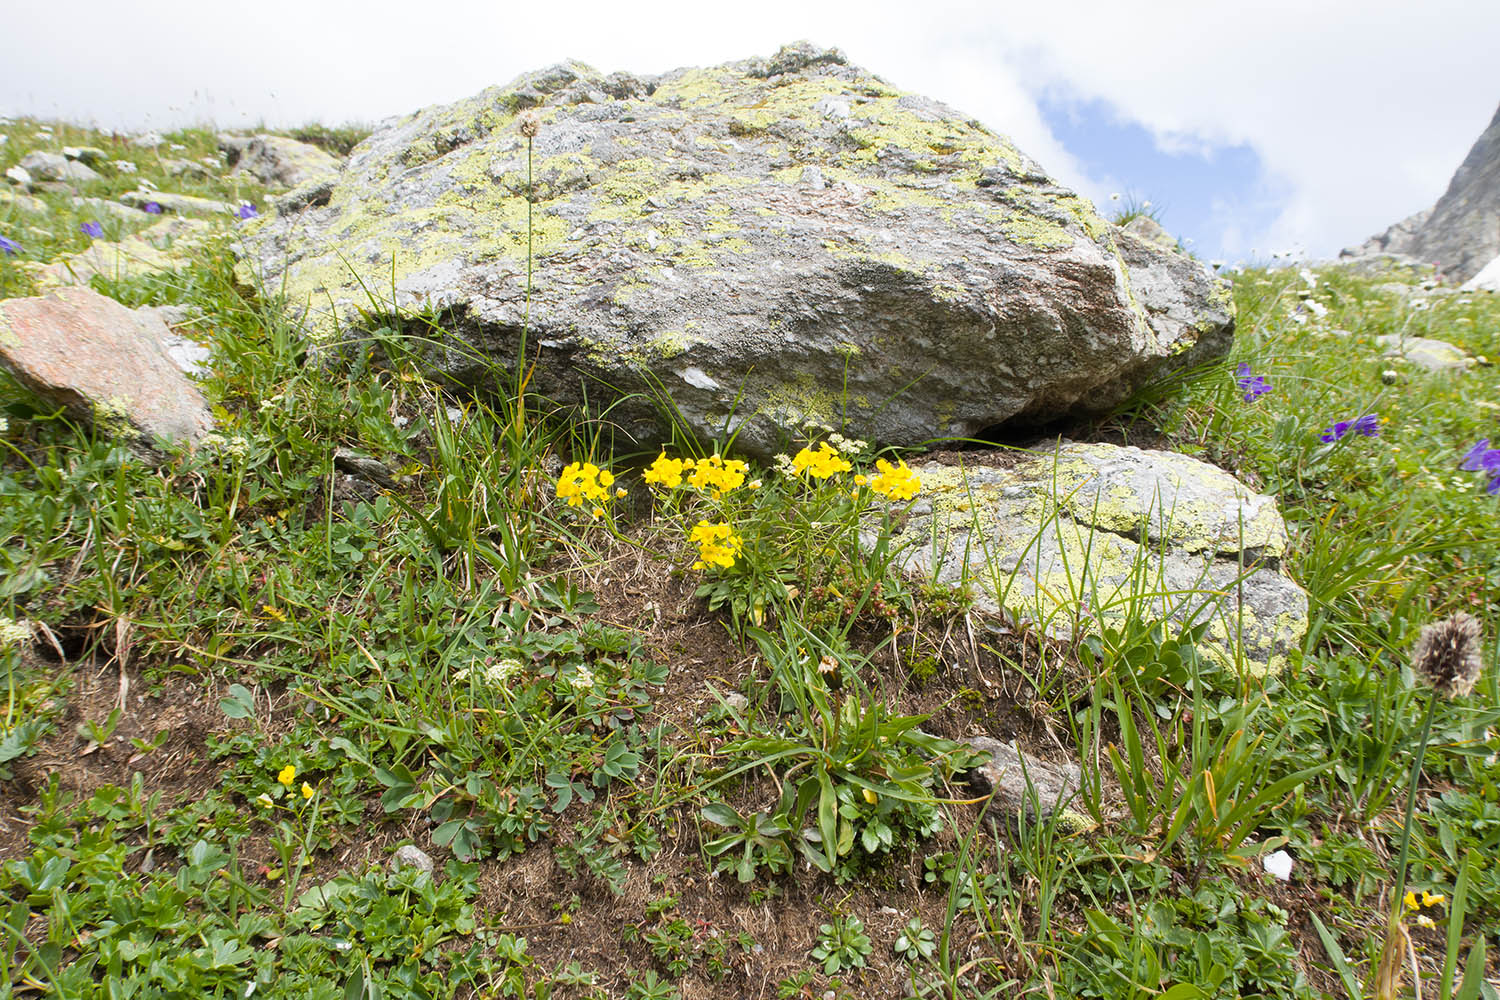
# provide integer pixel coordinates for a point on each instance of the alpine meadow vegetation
(663, 720)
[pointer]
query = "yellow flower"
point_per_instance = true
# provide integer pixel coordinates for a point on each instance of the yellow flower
(582, 481)
(1410, 899)
(265, 800)
(717, 476)
(664, 472)
(307, 790)
(287, 776)
(820, 464)
(871, 797)
(1433, 898)
(896, 482)
(718, 545)
(272, 611)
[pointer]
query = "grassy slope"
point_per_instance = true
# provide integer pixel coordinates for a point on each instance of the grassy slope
(271, 683)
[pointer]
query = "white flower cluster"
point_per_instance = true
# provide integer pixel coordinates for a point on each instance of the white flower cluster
(495, 673)
(233, 446)
(14, 633)
(845, 445)
(583, 680)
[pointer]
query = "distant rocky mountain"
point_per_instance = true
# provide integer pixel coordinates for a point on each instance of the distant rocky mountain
(1461, 233)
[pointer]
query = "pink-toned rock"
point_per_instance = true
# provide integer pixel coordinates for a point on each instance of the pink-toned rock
(105, 363)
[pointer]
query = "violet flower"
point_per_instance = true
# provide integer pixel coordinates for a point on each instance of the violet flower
(92, 229)
(9, 246)
(247, 211)
(1367, 425)
(151, 208)
(1251, 385)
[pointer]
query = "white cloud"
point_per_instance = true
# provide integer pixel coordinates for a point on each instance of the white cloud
(1360, 111)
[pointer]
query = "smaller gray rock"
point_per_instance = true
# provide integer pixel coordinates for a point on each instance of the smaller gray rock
(22, 202)
(185, 168)
(182, 204)
(150, 140)
(275, 159)
(409, 856)
(1425, 352)
(88, 155)
(1148, 228)
(55, 167)
(19, 176)
(1008, 771)
(363, 467)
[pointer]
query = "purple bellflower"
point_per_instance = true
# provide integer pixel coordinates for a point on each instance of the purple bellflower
(91, 229)
(9, 246)
(246, 211)
(1251, 385)
(1367, 425)
(1483, 458)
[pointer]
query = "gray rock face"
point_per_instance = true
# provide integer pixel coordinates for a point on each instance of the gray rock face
(1084, 535)
(767, 243)
(56, 167)
(1461, 233)
(275, 159)
(1007, 772)
(105, 363)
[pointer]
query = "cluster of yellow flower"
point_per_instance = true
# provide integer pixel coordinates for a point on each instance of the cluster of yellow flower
(713, 475)
(582, 481)
(718, 545)
(897, 481)
(820, 463)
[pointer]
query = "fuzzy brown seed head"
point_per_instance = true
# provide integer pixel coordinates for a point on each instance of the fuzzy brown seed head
(528, 123)
(1446, 655)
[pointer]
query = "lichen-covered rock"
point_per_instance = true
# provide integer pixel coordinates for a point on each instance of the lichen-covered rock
(1086, 534)
(275, 159)
(181, 204)
(103, 362)
(153, 250)
(1426, 352)
(46, 166)
(767, 242)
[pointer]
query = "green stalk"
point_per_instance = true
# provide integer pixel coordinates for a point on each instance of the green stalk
(1411, 800)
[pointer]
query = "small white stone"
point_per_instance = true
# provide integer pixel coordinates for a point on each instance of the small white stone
(1279, 864)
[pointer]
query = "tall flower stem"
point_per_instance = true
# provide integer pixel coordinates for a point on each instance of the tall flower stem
(1411, 802)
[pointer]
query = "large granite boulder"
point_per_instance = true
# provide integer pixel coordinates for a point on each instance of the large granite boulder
(105, 364)
(768, 243)
(1461, 233)
(275, 159)
(1079, 536)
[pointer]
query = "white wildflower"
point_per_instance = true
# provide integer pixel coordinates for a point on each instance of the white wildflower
(1307, 276)
(14, 633)
(502, 670)
(1317, 308)
(784, 465)
(583, 680)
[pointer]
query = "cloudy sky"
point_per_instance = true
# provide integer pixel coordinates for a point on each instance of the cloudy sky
(1249, 127)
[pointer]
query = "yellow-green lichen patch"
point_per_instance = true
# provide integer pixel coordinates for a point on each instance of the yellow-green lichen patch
(1035, 231)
